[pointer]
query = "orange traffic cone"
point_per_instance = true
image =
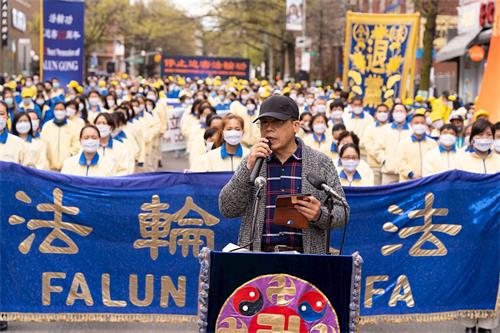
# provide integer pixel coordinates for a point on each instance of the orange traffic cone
(490, 89)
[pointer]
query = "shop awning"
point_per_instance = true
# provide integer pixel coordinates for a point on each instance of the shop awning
(457, 46)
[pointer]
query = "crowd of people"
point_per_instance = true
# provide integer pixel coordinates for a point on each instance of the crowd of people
(112, 126)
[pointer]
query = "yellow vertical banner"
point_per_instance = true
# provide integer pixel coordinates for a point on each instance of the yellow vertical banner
(490, 90)
(379, 56)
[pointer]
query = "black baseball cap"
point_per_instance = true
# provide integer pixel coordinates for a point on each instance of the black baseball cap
(279, 107)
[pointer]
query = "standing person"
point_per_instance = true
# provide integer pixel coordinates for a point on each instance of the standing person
(36, 151)
(336, 113)
(60, 137)
(457, 120)
(371, 140)
(390, 136)
(480, 158)
(305, 124)
(334, 147)
(73, 114)
(443, 157)
(411, 151)
(287, 162)
(95, 105)
(318, 139)
(350, 173)
(230, 154)
(89, 162)
(358, 120)
(12, 148)
(249, 114)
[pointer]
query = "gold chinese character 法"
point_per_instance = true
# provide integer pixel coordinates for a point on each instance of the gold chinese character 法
(57, 225)
(426, 230)
(156, 228)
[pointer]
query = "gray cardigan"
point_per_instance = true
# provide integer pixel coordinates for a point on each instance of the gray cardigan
(237, 196)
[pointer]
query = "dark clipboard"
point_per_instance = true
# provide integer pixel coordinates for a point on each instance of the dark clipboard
(285, 213)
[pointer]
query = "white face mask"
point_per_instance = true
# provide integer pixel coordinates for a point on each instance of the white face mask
(483, 145)
(447, 140)
(438, 124)
(319, 128)
(350, 165)
(71, 112)
(357, 110)
(399, 117)
(111, 102)
(94, 101)
(320, 108)
(382, 116)
(150, 96)
(310, 101)
(23, 127)
(60, 114)
(233, 137)
(497, 145)
(104, 130)
(209, 145)
(36, 124)
(3, 123)
(251, 107)
(337, 114)
(90, 145)
(149, 108)
(301, 100)
(419, 129)
(428, 120)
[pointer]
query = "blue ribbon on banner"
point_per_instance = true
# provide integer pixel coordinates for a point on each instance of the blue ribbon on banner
(63, 37)
(125, 248)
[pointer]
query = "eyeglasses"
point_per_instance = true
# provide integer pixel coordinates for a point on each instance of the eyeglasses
(274, 123)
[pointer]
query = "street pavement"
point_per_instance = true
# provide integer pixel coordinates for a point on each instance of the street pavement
(178, 162)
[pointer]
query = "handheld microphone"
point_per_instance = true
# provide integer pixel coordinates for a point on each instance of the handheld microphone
(321, 185)
(258, 166)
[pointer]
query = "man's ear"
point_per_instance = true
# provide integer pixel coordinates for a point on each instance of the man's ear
(296, 126)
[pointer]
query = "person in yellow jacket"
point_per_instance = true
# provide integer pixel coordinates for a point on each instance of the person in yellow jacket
(150, 127)
(110, 148)
(480, 158)
(371, 140)
(389, 137)
(411, 151)
(358, 120)
(229, 155)
(249, 114)
(95, 105)
(349, 172)
(121, 134)
(88, 162)
(73, 115)
(36, 153)
(159, 110)
(60, 137)
(12, 148)
(443, 157)
(319, 139)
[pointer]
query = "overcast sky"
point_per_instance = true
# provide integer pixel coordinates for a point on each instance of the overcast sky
(193, 7)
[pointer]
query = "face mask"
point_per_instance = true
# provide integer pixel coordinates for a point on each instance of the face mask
(80, 106)
(149, 108)
(293, 96)
(382, 116)
(60, 114)
(497, 145)
(8, 101)
(141, 107)
(251, 107)
(70, 112)
(321, 108)
(319, 128)
(337, 114)
(469, 116)
(399, 117)
(111, 103)
(105, 130)
(36, 124)
(428, 120)
(71, 97)
(23, 127)
(233, 137)
(357, 110)
(29, 84)
(151, 97)
(310, 101)
(137, 110)
(448, 140)
(90, 145)
(301, 100)
(94, 101)
(244, 98)
(483, 145)
(27, 101)
(209, 145)
(306, 127)
(419, 129)
(55, 85)
(438, 124)
(3, 123)
(350, 165)
(40, 101)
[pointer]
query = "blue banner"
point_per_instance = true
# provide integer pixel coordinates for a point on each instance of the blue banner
(379, 56)
(62, 40)
(125, 248)
(205, 66)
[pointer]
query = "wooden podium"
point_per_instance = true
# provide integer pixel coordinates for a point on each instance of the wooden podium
(274, 292)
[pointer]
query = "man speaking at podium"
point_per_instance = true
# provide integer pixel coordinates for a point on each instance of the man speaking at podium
(285, 164)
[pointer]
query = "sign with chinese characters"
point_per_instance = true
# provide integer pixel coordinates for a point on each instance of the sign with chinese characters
(4, 19)
(205, 66)
(125, 248)
(379, 56)
(173, 139)
(62, 41)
